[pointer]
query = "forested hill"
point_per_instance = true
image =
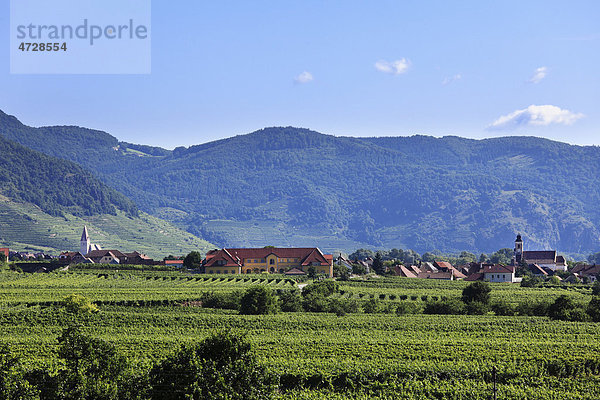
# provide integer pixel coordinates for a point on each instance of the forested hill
(290, 186)
(56, 186)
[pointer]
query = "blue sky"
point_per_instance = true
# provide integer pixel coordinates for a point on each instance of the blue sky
(354, 68)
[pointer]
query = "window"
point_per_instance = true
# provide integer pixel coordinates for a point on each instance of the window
(272, 261)
(233, 271)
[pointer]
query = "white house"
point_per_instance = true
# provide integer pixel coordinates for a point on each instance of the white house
(498, 273)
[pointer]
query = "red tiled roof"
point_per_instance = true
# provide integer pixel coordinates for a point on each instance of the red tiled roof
(295, 271)
(537, 270)
(236, 257)
(435, 275)
(547, 255)
(497, 269)
(443, 265)
(401, 270)
(477, 276)
(591, 270)
(173, 262)
(102, 253)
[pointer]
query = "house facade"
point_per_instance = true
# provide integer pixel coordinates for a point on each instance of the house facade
(498, 273)
(270, 259)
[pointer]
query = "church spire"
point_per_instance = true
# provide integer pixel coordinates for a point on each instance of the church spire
(85, 245)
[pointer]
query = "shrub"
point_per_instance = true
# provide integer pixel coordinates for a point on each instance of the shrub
(407, 308)
(593, 309)
(502, 308)
(476, 308)
(222, 366)
(77, 304)
(290, 300)
(561, 308)
(228, 301)
(477, 291)
(372, 306)
(450, 306)
(259, 300)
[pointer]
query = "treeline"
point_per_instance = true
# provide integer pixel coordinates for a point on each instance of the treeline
(326, 296)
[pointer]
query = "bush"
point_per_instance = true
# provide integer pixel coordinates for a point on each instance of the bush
(593, 309)
(316, 295)
(324, 288)
(531, 281)
(77, 304)
(477, 308)
(407, 308)
(450, 306)
(477, 291)
(259, 300)
(561, 308)
(227, 301)
(538, 309)
(502, 308)
(372, 306)
(222, 366)
(290, 300)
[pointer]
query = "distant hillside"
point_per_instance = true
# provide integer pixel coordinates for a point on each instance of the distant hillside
(24, 227)
(289, 186)
(45, 201)
(56, 186)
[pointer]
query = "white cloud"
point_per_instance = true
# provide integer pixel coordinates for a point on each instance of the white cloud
(538, 75)
(393, 67)
(535, 116)
(304, 77)
(450, 79)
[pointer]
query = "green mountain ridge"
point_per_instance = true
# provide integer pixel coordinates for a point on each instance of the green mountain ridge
(46, 201)
(292, 186)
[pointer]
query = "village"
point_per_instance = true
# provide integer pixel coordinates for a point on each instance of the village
(312, 262)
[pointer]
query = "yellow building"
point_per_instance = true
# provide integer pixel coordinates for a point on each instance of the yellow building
(270, 259)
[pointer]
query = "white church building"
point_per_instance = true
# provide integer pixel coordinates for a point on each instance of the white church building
(85, 244)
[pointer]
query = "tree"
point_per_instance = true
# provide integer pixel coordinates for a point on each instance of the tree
(358, 269)
(316, 295)
(593, 309)
(193, 260)
(94, 368)
(477, 291)
(13, 385)
(378, 266)
(259, 300)
(562, 308)
(290, 300)
(311, 272)
(77, 304)
(341, 272)
(222, 366)
(502, 256)
(428, 257)
(596, 288)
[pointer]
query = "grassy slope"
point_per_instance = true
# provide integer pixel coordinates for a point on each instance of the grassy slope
(23, 226)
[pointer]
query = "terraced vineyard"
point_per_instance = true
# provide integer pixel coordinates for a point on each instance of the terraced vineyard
(322, 355)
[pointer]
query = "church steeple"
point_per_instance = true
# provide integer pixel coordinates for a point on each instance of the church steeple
(85, 242)
(518, 249)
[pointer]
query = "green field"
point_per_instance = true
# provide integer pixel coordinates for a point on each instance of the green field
(321, 355)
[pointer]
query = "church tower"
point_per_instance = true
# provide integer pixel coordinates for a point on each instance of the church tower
(85, 242)
(518, 249)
